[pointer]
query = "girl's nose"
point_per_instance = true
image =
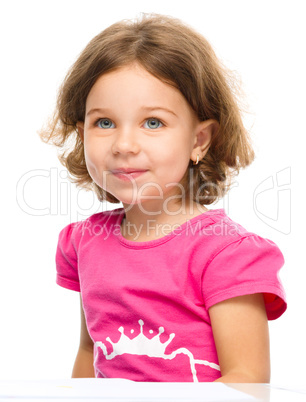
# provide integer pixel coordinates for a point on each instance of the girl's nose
(126, 141)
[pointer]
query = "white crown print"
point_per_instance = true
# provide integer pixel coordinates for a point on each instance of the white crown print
(140, 345)
(143, 346)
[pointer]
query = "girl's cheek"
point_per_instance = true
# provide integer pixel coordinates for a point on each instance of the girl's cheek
(92, 146)
(91, 156)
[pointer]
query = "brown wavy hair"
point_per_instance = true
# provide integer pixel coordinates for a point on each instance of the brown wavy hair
(177, 55)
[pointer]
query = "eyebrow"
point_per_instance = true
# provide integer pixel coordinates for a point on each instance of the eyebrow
(145, 108)
(156, 108)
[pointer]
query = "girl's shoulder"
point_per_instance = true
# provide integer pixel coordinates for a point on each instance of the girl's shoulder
(219, 226)
(95, 222)
(92, 225)
(227, 233)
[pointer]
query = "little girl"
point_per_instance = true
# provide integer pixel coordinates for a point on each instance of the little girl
(170, 290)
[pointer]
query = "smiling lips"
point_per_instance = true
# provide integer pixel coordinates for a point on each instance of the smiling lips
(128, 173)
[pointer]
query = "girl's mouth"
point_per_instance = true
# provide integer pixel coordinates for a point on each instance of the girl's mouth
(127, 176)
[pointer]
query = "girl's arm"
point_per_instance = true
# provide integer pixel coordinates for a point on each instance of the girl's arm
(83, 366)
(241, 334)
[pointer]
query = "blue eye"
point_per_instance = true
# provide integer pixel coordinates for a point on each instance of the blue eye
(105, 123)
(153, 123)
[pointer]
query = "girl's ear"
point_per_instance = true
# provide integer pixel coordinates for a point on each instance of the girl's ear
(204, 132)
(80, 130)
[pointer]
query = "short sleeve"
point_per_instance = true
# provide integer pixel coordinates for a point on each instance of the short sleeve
(248, 265)
(67, 259)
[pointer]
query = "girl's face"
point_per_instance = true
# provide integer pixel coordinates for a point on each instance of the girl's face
(136, 123)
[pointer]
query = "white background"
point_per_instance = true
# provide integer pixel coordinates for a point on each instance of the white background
(263, 41)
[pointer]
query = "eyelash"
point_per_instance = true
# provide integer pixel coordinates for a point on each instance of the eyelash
(150, 118)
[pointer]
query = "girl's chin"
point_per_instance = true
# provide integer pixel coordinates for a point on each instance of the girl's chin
(134, 198)
(145, 204)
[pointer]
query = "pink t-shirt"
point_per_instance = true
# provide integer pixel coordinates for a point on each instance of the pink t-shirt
(146, 303)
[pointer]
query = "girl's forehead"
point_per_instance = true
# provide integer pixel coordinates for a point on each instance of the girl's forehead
(125, 71)
(133, 81)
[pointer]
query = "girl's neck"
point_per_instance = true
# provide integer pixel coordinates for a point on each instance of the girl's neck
(141, 224)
